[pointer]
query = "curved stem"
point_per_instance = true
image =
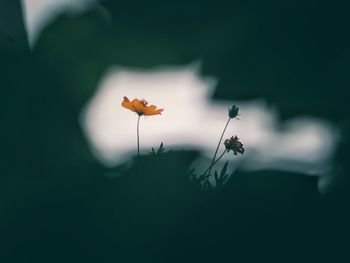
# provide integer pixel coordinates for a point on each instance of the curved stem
(222, 135)
(138, 136)
(209, 168)
(217, 147)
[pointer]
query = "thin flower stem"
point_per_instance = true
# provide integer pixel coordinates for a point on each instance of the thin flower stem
(209, 168)
(138, 136)
(217, 147)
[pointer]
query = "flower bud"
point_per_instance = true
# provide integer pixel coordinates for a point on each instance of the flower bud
(233, 111)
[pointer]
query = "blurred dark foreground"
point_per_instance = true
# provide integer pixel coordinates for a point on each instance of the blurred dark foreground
(58, 204)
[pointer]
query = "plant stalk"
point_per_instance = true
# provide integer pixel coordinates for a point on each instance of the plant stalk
(209, 168)
(138, 136)
(217, 147)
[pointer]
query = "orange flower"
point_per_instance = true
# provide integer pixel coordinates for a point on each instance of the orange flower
(140, 107)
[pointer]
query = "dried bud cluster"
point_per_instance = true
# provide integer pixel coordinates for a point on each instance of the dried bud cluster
(233, 144)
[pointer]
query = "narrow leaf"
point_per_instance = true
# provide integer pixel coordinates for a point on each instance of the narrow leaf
(216, 177)
(223, 170)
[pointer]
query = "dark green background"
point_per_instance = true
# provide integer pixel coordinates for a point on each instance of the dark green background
(58, 204)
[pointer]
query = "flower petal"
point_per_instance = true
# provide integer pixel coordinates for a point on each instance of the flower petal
(127, 104)
(138, 107)
(152, 110)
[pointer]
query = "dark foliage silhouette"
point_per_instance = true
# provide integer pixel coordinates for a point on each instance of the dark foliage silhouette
(58, 204)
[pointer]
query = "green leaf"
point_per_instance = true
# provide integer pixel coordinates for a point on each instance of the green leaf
(223, 170)
(161, 148)
(217, 179)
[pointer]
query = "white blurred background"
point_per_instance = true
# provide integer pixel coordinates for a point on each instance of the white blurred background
(190, 118)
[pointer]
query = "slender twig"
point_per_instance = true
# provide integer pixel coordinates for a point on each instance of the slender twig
(138, 136)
